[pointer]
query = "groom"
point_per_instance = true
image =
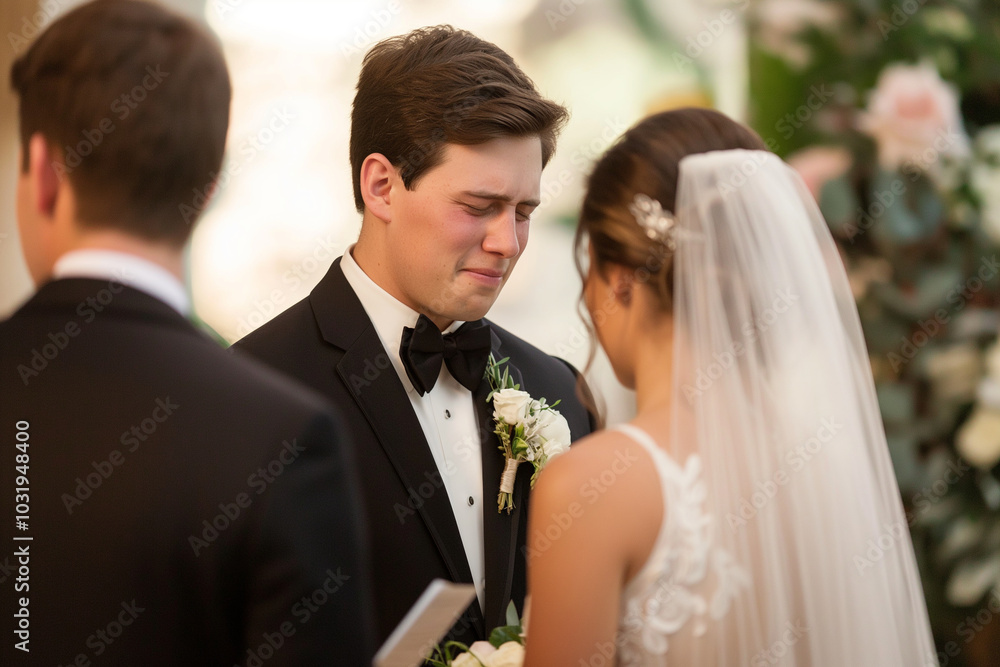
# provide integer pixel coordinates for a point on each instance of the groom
(448, 141)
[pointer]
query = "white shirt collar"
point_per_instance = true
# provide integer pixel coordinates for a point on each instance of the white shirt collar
(128, 269)
(388, 314)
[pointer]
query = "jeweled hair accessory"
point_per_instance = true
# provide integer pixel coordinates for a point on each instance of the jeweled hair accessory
(659, 225)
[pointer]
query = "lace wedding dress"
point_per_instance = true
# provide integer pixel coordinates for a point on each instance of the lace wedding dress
(687, 581)
(784, 540)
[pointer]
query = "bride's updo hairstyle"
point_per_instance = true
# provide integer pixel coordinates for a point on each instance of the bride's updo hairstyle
(644, 161)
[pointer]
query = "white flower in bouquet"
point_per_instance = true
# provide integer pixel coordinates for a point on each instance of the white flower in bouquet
(510, 654)
(483, 654)
(467, 660)
(477, 655)
(511, 405)
(913, 116)
(978, 440)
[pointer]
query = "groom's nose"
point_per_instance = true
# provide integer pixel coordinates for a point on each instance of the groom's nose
(501, 234)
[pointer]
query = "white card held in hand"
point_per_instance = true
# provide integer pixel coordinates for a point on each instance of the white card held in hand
(425, 624)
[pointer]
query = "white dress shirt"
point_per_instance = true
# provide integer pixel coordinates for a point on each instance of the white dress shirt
(446, 415)
(136, 272)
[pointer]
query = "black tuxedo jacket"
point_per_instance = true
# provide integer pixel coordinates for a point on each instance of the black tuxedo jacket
(328, 342)
(184, 506)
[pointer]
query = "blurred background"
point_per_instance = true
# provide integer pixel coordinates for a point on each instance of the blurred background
(890, 110)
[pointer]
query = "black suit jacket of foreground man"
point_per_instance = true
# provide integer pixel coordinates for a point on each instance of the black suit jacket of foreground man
(178, 505)
(328, 342)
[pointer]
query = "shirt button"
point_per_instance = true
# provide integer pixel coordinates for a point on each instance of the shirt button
(447, 414)
(471, 501)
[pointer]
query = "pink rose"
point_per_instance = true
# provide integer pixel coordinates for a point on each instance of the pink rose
(914, 118)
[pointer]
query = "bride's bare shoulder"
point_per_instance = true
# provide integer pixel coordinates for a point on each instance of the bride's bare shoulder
(606, 466)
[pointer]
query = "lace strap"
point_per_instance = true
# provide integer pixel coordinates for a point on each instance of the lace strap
(655, 561)
(641, 437)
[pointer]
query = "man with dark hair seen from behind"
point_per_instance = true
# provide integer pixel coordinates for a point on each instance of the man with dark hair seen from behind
(166, 502)
(448, 141)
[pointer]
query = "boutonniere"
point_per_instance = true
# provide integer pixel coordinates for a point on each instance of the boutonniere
(529, 429)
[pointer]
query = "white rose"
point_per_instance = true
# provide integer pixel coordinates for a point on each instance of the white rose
(466, 660)
(554, 431)
(511, 405)
(978, 440)
(510, 654)
(482, 649)
(914, 118)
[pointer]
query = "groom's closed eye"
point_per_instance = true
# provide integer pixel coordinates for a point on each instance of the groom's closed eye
(522, 212)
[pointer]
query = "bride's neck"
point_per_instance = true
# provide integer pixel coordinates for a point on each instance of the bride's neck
(653, 370)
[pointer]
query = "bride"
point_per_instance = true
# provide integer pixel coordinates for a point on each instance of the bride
(748, 515)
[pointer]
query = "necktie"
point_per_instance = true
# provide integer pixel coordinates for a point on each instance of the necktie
(465, 352)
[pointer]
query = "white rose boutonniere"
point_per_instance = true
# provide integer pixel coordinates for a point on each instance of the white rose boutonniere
(529, 429)
(511, 405)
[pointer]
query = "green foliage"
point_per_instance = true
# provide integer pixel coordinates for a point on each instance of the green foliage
(916, 258)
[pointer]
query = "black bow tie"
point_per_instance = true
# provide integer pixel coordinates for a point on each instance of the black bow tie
(465, 352)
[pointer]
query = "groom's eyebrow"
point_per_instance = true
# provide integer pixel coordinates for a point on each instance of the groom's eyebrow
(494, 196)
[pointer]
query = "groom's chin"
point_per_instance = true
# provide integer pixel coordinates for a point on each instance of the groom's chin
(471, 308)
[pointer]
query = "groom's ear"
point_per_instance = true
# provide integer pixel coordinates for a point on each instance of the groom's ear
(377, 178)
(44, 172)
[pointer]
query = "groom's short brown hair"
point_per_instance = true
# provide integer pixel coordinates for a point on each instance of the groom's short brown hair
(436, 86)
(134, 101)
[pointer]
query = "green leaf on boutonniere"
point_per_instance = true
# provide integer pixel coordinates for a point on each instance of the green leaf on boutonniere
(512, 617)
(504, 634)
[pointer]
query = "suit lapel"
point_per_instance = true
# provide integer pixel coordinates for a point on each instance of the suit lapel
(499, 529)
(366, 370)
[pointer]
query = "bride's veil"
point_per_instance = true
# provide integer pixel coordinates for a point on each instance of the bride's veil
(773, 390)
